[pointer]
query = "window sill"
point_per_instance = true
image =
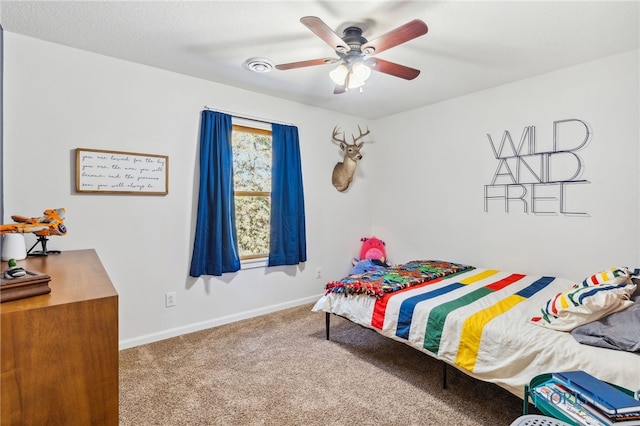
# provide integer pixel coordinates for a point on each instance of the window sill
(261, 262)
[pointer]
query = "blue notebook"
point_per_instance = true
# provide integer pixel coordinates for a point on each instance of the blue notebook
(601, 394)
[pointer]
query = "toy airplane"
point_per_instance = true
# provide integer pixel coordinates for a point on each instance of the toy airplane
(52, 223)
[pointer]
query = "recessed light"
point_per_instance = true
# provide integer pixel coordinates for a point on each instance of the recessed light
(260, 65)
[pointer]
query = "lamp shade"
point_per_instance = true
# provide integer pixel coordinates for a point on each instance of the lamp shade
(360, 71)
(339, 74)
(354, 75)
(13, 247)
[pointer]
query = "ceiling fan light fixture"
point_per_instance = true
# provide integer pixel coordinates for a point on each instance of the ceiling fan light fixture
(355, 76)
(355, 83)
(339, 75)
(360, 71)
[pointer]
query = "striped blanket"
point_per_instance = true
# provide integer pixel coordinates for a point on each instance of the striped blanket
(478, 320)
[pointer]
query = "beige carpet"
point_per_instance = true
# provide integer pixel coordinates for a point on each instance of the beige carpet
(278, 369)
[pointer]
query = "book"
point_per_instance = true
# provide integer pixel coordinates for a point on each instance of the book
(613, 419)
(565, 403)
(599, 393)
(630, 419)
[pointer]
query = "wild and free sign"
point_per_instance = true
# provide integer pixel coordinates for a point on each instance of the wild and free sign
(538, 180)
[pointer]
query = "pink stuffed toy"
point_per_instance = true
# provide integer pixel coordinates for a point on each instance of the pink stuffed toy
(373, 248)
(373, 256)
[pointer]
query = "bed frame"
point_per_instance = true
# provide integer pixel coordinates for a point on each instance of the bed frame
(327, 324)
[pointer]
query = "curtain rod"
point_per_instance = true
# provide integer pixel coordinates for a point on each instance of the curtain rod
(248, 117)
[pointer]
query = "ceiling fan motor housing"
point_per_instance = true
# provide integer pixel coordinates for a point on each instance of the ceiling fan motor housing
(353, 38)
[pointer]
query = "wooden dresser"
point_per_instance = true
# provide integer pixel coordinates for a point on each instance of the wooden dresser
(59, 351)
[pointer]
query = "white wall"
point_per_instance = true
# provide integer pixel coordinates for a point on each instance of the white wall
(432, 164)
(57, 99)
(419, 187)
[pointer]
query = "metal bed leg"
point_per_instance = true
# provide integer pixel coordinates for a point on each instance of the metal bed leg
(444, 375)
(327, 322)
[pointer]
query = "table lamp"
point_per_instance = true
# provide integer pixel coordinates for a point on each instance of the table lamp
(13, 247)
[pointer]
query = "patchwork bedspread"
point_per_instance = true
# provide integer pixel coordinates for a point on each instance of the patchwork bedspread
(478, 321)
(377, 283)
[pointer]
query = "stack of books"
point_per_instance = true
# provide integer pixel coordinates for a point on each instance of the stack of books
(586, 400)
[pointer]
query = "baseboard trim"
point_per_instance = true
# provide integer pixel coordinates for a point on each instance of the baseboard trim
(215, 322)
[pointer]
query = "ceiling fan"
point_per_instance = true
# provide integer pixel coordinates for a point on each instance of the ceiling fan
(355, 53)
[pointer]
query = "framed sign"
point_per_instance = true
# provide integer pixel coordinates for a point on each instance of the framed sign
(116, 172)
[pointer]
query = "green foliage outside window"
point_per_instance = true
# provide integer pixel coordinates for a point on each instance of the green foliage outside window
(252, 223)
(252, 184)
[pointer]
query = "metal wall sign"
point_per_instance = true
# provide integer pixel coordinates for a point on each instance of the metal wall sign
(538, 180)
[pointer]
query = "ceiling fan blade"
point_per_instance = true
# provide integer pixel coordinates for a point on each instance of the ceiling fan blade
(340, 88)
(392, 68)
(309, 63)
(323, 31)
(400, 35)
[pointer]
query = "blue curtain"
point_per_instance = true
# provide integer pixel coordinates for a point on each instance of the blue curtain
(215, 246)
(288, 243)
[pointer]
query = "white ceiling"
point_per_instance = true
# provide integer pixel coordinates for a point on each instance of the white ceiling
(470, 46)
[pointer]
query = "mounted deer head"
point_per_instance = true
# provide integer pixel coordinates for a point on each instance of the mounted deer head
(343, 172)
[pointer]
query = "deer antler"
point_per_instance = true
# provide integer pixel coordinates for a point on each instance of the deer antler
(362, 135)
(336, 131)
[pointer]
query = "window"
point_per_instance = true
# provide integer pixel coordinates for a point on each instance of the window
(271, 199)
(252, 189)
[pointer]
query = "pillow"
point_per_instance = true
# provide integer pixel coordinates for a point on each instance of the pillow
(609, 291)
(610, 276)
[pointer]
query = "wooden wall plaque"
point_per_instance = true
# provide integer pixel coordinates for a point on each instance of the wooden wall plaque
(118, 172)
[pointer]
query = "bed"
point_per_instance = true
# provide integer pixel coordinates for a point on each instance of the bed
(491, 324)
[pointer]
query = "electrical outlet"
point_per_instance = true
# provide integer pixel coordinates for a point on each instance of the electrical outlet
(170, 299)
(318, 272)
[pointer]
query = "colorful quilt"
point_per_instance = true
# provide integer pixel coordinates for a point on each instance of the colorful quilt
(479, 321)
(377, 283)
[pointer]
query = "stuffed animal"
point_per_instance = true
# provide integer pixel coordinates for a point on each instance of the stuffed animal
(373, 248)
(373, 256)
(366, 265)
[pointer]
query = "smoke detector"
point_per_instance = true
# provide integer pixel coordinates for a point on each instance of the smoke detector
(260, 65)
